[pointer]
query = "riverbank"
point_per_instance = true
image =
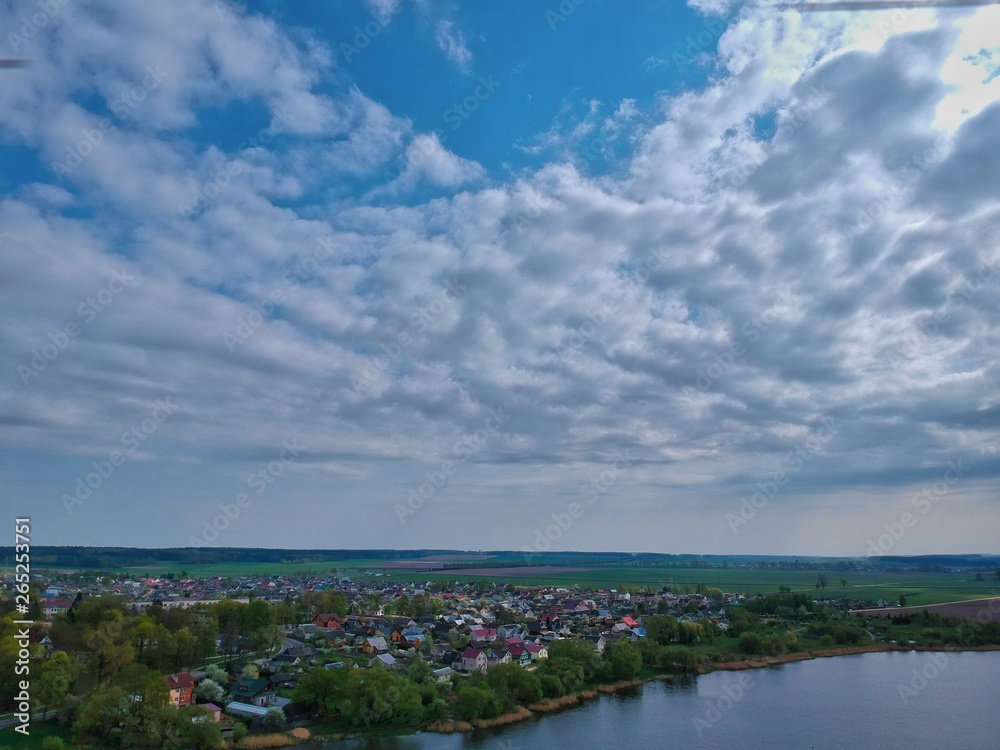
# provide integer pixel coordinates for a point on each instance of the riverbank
(823, 653)
(579, 698)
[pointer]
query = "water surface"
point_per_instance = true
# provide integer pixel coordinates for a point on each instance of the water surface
(913, 700)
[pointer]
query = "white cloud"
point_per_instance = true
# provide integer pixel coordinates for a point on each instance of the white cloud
(384, 10)
(428, 160)
(588, 308)
(451, 41)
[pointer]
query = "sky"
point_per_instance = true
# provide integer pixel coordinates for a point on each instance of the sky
(580, 275)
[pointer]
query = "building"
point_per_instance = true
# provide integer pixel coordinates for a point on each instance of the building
(259, 692)
(181, 687)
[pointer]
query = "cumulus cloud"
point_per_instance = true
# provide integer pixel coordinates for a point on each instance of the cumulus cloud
(703, 309)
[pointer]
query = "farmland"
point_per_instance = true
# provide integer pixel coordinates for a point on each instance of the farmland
(729, 574)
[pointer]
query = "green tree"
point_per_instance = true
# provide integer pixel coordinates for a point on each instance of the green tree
(141, 634)
(567, 671)
(100, 714)
(477, 702)
(274, 719)
(216, 673)
(147, 692)
(750, 643)
(626, 661)
(514, 684)
(210, 691)
(377, 696)
(54, 682)
(108, 649)
(419, 671)
(662, 629)
(583, 653)
(239, 734)
(185, 651)
(322, 690)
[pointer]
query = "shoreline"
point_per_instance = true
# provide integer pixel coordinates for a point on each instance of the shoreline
(826, 653)
(579, 698)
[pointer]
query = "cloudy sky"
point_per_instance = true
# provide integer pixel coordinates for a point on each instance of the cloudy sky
(411, 273)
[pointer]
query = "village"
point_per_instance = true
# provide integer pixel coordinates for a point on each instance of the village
(456, 628)
(219, 657)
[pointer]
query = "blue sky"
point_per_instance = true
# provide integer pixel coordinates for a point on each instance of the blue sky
(704, 277)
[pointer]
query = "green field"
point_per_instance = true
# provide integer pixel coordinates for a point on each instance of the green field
(919, 588)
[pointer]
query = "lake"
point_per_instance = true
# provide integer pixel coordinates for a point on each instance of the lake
(913, 700)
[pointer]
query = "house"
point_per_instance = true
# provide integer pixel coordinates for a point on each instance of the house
(519, 654)
(181, 688)
(214, 712)
(375, 645)
(336, 637)
(328, 620)
(386, 660)
(538, 651)
(259, 692)
(283, 661)
(53, 607)
(474, 659)
(509, 632)
(598, 641)
(497, 657)
(482, 636)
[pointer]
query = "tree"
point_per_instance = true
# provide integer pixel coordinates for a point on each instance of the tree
(843, 583)
(821, 581)
(568, 672)
(322, 690)
(750, 643)
(419, 671)
(210, 691)
(141, 635)
(477, 702)
(250, 672)
(146, 692)
(513, 684)
(216, 673)
(206, 735)
(274, 719)
(98, 716)
(53, 743)
(377, 696)
(239, 734)
(54, 683)
(108, 649)
(626, 661)
(185, 651)
(902, 600)
(581, 652)
(662, 629)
